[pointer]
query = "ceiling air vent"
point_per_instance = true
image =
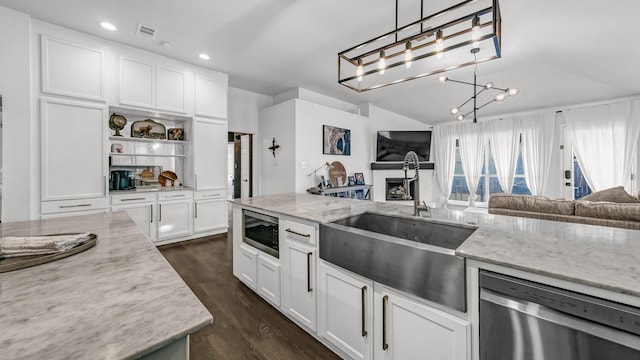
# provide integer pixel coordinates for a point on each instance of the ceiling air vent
(146, 31)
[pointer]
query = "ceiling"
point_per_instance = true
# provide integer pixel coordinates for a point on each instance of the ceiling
(558, 52)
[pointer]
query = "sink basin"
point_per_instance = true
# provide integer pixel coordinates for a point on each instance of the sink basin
(409, 254)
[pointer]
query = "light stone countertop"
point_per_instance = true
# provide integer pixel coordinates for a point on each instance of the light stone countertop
(117, 300)
(598, 256)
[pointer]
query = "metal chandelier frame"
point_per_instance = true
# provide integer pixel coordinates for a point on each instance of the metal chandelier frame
(434, 44)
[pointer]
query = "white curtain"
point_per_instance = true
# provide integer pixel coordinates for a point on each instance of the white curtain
(605, 139)
(445, 159)
(538, 132)
(471, 155)
(503, 138)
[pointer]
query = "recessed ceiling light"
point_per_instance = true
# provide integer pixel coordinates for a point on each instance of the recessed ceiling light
(108, 26)
(204, 56)
(166, 44)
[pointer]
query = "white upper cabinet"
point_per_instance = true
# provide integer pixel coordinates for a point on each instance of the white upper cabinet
(211, 96)
(148, 85)
(71, 69)
(170, 89)
(137, 83)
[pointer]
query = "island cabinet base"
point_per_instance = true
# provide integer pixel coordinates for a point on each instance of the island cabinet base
(177, 350)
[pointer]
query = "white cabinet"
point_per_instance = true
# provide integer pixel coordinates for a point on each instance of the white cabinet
(246, 263)
(210, 155)
(175, 217)
(269, 278)
(298, 252)
(146, 84)
(73, 161)
(406, 329)
(141, 208)
(211, 95)
(72, 69)
(210, 212)
(345, 311)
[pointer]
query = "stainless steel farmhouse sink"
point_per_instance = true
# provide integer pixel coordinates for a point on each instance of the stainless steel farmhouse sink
(409, 254)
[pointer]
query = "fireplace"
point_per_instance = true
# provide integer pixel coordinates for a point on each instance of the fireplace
(395, 188)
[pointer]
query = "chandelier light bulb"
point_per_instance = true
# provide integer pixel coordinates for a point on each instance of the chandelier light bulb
(475, 28)
(408, 57)
(460, 117)
(488, 85)
(439, 45)
(500, 97)
(443, 78)
(382, 63)
(454, 110)
(359, 70)
(513, 92)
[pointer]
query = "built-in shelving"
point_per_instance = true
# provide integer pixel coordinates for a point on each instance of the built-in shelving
(145, 140)
(149, 155)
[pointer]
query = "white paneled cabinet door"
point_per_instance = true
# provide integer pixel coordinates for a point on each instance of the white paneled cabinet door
(211, 96)
(269, 279)
(406, 329)
(174, 219)
(299, 288)
(170, 90)
(73, 70)
(141, 214)
(345, 311)
(73, 161)
(210, 155)
(210, 215)
(137, 83)
(247, 265)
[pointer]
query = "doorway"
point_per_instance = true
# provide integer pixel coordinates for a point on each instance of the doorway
(241, 161)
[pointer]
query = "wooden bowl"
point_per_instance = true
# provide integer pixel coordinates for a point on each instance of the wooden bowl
(167, 175)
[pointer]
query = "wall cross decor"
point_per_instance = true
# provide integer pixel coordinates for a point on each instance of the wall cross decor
(274, 147)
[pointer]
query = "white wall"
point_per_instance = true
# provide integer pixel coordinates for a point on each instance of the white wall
(18, 127)
(244, 116)
(277, 174)
(310, 119)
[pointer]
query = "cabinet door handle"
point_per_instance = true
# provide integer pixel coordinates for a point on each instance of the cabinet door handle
(385, 346)
(151, 212)
(133, 199)
(195, 210)
(309, 289)
(364, 295)
(159, 212)
(73, 206)
(297, 233)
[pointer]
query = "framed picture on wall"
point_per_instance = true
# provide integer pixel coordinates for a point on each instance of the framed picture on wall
(336, 141)
(359, 178)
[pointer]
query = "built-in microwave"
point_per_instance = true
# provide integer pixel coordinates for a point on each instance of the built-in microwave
(261, 232)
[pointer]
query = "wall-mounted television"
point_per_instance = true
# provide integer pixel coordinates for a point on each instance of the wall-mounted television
(394, 145)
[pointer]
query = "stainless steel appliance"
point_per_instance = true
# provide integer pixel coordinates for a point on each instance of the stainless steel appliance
(523, 320)
(261, 232)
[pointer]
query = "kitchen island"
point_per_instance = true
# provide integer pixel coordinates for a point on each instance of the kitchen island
(117, 300)
(359, 317)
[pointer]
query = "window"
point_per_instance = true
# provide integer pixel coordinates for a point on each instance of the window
(580, 186)
(460, 191)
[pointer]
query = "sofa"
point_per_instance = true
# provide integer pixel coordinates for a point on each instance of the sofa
(610, 207)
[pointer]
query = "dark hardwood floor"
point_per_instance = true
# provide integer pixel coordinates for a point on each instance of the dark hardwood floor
(244, 325)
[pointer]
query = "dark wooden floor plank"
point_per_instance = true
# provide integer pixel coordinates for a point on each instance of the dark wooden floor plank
(245, 326)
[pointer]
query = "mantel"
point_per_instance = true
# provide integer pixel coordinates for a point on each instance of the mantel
(398, 165)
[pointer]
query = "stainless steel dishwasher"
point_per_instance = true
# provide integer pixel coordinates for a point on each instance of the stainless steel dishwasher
(523, 320)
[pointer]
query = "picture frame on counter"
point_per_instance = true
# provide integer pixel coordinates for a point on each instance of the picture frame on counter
(359, 177)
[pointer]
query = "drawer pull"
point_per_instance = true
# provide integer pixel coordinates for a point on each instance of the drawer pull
(73, 206)
(133, 199)
(176, 196)
(297, 233)
(211, 195)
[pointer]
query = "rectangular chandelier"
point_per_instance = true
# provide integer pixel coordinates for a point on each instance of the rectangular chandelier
(436, 43)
